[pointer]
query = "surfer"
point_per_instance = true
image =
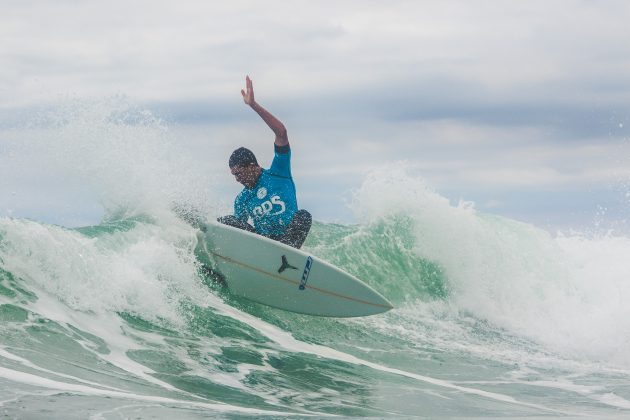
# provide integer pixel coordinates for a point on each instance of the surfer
(268, 198)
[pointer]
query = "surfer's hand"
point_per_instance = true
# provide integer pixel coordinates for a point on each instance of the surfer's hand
(248, 96)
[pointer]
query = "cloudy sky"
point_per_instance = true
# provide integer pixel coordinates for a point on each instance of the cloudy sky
(522, 107)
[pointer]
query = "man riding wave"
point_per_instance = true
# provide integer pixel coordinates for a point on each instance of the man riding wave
(268, 198)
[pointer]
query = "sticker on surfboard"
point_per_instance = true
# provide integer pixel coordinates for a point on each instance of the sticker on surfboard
(307, 271)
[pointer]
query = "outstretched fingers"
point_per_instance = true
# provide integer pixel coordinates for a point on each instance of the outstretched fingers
(248, 93)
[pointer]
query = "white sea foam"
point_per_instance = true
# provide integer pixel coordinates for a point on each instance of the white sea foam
(138, 271)
(567, 292)
(38, 381)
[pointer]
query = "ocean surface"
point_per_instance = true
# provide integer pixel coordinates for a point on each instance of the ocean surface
(493, 317)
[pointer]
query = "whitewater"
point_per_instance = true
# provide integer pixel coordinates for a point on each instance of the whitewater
(493, 317)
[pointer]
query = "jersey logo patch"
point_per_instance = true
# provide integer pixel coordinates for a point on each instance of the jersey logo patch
(266, 207)
(261, 193)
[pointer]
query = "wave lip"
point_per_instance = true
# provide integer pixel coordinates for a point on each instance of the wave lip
(566, 292)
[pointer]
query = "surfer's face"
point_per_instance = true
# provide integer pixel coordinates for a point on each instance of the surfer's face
(246, 175)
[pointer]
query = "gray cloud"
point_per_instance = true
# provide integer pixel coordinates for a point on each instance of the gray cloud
(483, 97)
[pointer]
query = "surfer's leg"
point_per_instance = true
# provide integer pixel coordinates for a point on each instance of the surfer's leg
(234, 222)
(298, 229)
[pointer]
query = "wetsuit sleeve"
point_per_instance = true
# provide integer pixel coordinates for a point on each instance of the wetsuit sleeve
(281, 165)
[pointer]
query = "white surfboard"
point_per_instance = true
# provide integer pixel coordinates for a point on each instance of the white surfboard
(277, 275)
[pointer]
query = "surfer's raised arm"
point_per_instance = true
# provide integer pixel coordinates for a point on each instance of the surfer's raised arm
(275, 124)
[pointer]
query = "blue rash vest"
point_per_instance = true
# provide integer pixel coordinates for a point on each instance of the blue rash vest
(272, 203)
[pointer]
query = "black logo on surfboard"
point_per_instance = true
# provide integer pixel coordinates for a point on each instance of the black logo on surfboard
(285, 265)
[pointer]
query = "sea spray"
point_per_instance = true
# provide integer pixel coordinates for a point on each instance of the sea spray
(141, 269)
(115, 152)
(566, 292)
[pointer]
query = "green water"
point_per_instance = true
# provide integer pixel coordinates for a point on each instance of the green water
(118, 321)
